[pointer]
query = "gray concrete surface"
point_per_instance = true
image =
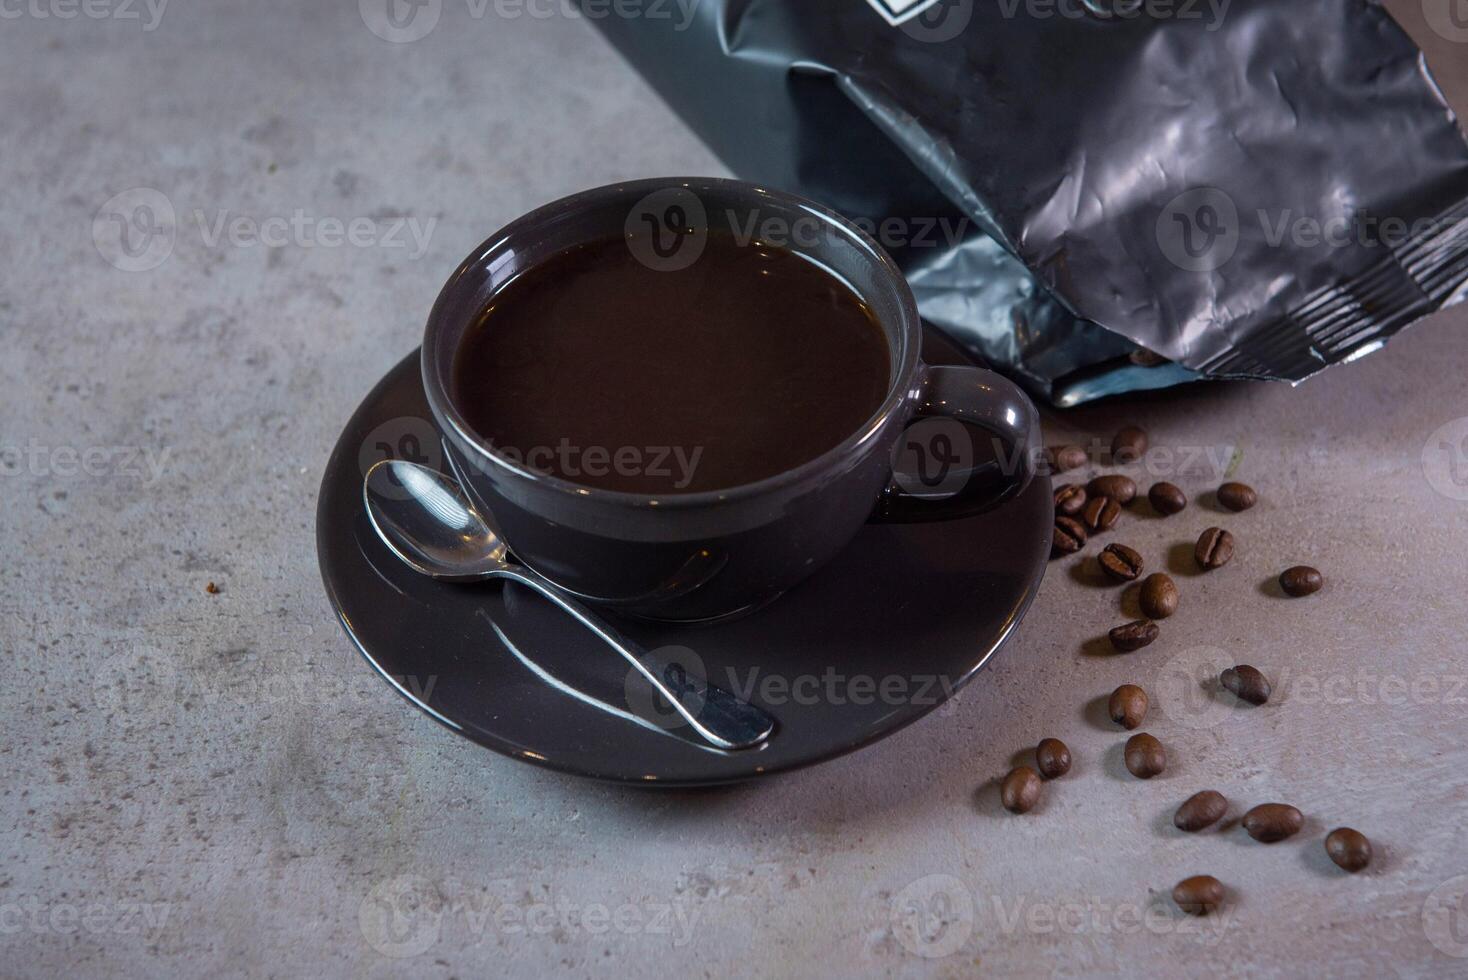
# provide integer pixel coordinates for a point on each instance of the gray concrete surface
(216, 785)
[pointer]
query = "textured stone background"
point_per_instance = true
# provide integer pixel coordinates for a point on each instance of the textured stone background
(194, 784)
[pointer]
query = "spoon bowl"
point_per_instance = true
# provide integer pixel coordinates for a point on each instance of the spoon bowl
(429, 523)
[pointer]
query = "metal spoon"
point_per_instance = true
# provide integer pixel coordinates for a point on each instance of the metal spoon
(426, 519)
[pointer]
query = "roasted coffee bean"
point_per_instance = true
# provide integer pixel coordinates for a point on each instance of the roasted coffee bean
(1101, 514)
(1070, 499)
(1270, 822)
(1158, 597)
(1348, 848)
(1128, 706)
(1301, 580)
(1064, 458)
(1133, 635)
(1237, 496)
(1200, 810)
(1144, 755)
(1020, 790)
(1119, 488)
(1214, 548)
(1128, 445)
(1167, 498)
(1198, 895)
(1246, 683)
(1120, 562)
(1053, 757)
(1068, 537)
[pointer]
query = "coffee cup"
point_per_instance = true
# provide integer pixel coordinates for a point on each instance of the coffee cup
(943, 443)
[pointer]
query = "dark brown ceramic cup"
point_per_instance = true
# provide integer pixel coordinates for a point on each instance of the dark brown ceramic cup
(945, 443)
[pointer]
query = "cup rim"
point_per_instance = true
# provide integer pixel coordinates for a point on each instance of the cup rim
(909, 334)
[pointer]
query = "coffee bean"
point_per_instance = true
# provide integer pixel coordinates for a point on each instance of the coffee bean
(1237, 496)
(1068, 537)
(1070, 499)
(1064, 458)
(1120, 562)
(1119, 488)
(1128, 706)
(1128, 445)
(1200, 810)
(1158, 597)
(1145, 757)
(1167, 498)
(1020, 790)
(1301, 580)
(1214, 548)
(1101, 514)
(1270, 822)
(1053, 757)
(1246, 683)
(1133, 635)
(1348, 848)
(1198, 895)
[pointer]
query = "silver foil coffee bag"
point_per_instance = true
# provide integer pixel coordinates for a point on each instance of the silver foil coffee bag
(1097, 195)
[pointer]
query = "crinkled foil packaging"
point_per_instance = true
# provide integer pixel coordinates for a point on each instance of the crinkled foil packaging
(1097, 196)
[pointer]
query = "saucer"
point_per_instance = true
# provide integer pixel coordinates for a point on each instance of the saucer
(898, 622)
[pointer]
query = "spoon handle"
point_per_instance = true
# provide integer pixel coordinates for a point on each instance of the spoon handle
(719, 717)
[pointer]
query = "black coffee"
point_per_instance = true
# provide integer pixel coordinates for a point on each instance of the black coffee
(596, 368)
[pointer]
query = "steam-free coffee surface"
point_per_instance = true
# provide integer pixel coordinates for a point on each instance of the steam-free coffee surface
(596, 368)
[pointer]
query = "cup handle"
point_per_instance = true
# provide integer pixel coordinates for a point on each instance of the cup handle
(934, 479)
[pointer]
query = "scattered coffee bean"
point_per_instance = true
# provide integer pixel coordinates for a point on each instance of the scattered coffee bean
(1237, 496)
(1120, 562)
(1128, 445)
(1198, 895)
(1167, 498)
(1348, 848)
(1101, 513)
(1214, 548)
(1270, 822)
(1246, 683)
(1068, 537)
(1070, 499)
(1053, 757)
(1128, 706)
(1133, 636)
(1301, 580)
(1020, 790)
(212, 589)
(1144, 756)
(1200, 810)
(1064, 458)
(1158, 597)
(1121, 489)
